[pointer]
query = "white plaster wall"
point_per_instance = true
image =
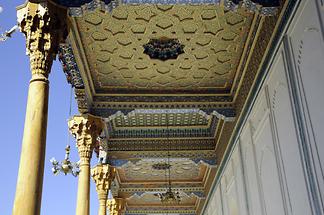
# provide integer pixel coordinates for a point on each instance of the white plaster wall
(276, 166)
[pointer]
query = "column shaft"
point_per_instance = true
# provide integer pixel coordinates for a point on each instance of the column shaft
(102, 207)
(83, 198)
(43, 29)
(31, 169)
(86, 129)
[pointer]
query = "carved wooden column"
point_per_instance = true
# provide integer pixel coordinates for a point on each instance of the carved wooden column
(44, 27)
(86, 129)
(103, 175)
(116, 206)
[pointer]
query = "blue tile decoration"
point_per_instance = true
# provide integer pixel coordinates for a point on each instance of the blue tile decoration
(72, 3)
(199, 194)
(118, 163)
(139, 193)
(211, 162)
(70, 67)
(78, 9)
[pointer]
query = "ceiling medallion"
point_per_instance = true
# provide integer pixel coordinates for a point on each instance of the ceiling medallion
(163, 48)
(161, 166)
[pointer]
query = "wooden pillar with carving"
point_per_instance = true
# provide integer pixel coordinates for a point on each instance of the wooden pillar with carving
(44, 27)
(103, 175)
(116, 206)
(86, 129)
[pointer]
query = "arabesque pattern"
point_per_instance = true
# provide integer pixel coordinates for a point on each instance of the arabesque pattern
(213, 41)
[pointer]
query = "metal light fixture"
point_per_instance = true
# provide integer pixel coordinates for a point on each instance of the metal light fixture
(4, 36)
(168, 197)
(66, 166)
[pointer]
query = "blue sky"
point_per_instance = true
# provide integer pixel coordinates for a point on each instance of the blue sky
(59, 192)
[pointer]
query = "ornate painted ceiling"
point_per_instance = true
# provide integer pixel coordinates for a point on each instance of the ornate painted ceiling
(123, 77)
(170, 79)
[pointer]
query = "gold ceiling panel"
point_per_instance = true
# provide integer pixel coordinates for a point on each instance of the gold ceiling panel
(181, 170)
(223, 52)
(151, 200)
(213, 44)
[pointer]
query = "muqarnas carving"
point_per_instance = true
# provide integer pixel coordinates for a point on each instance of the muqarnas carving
(163, 48)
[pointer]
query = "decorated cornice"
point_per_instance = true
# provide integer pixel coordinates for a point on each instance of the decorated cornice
(73, 3)
(263, 7)
(150, 123)
(185, 187)
(79, 7)
(159, 145)
(136, 155)
(73, 76)
(70, 67)
(197, 193)
(153, 104)
(120, 163)
(226, 114)
(160, 210)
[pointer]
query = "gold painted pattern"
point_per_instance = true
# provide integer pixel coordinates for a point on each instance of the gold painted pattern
(213, 40)
(181, 170)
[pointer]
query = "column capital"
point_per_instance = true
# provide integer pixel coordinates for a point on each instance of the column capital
(116, 206)
(103, 175)
(86, 129)
(44, 26)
